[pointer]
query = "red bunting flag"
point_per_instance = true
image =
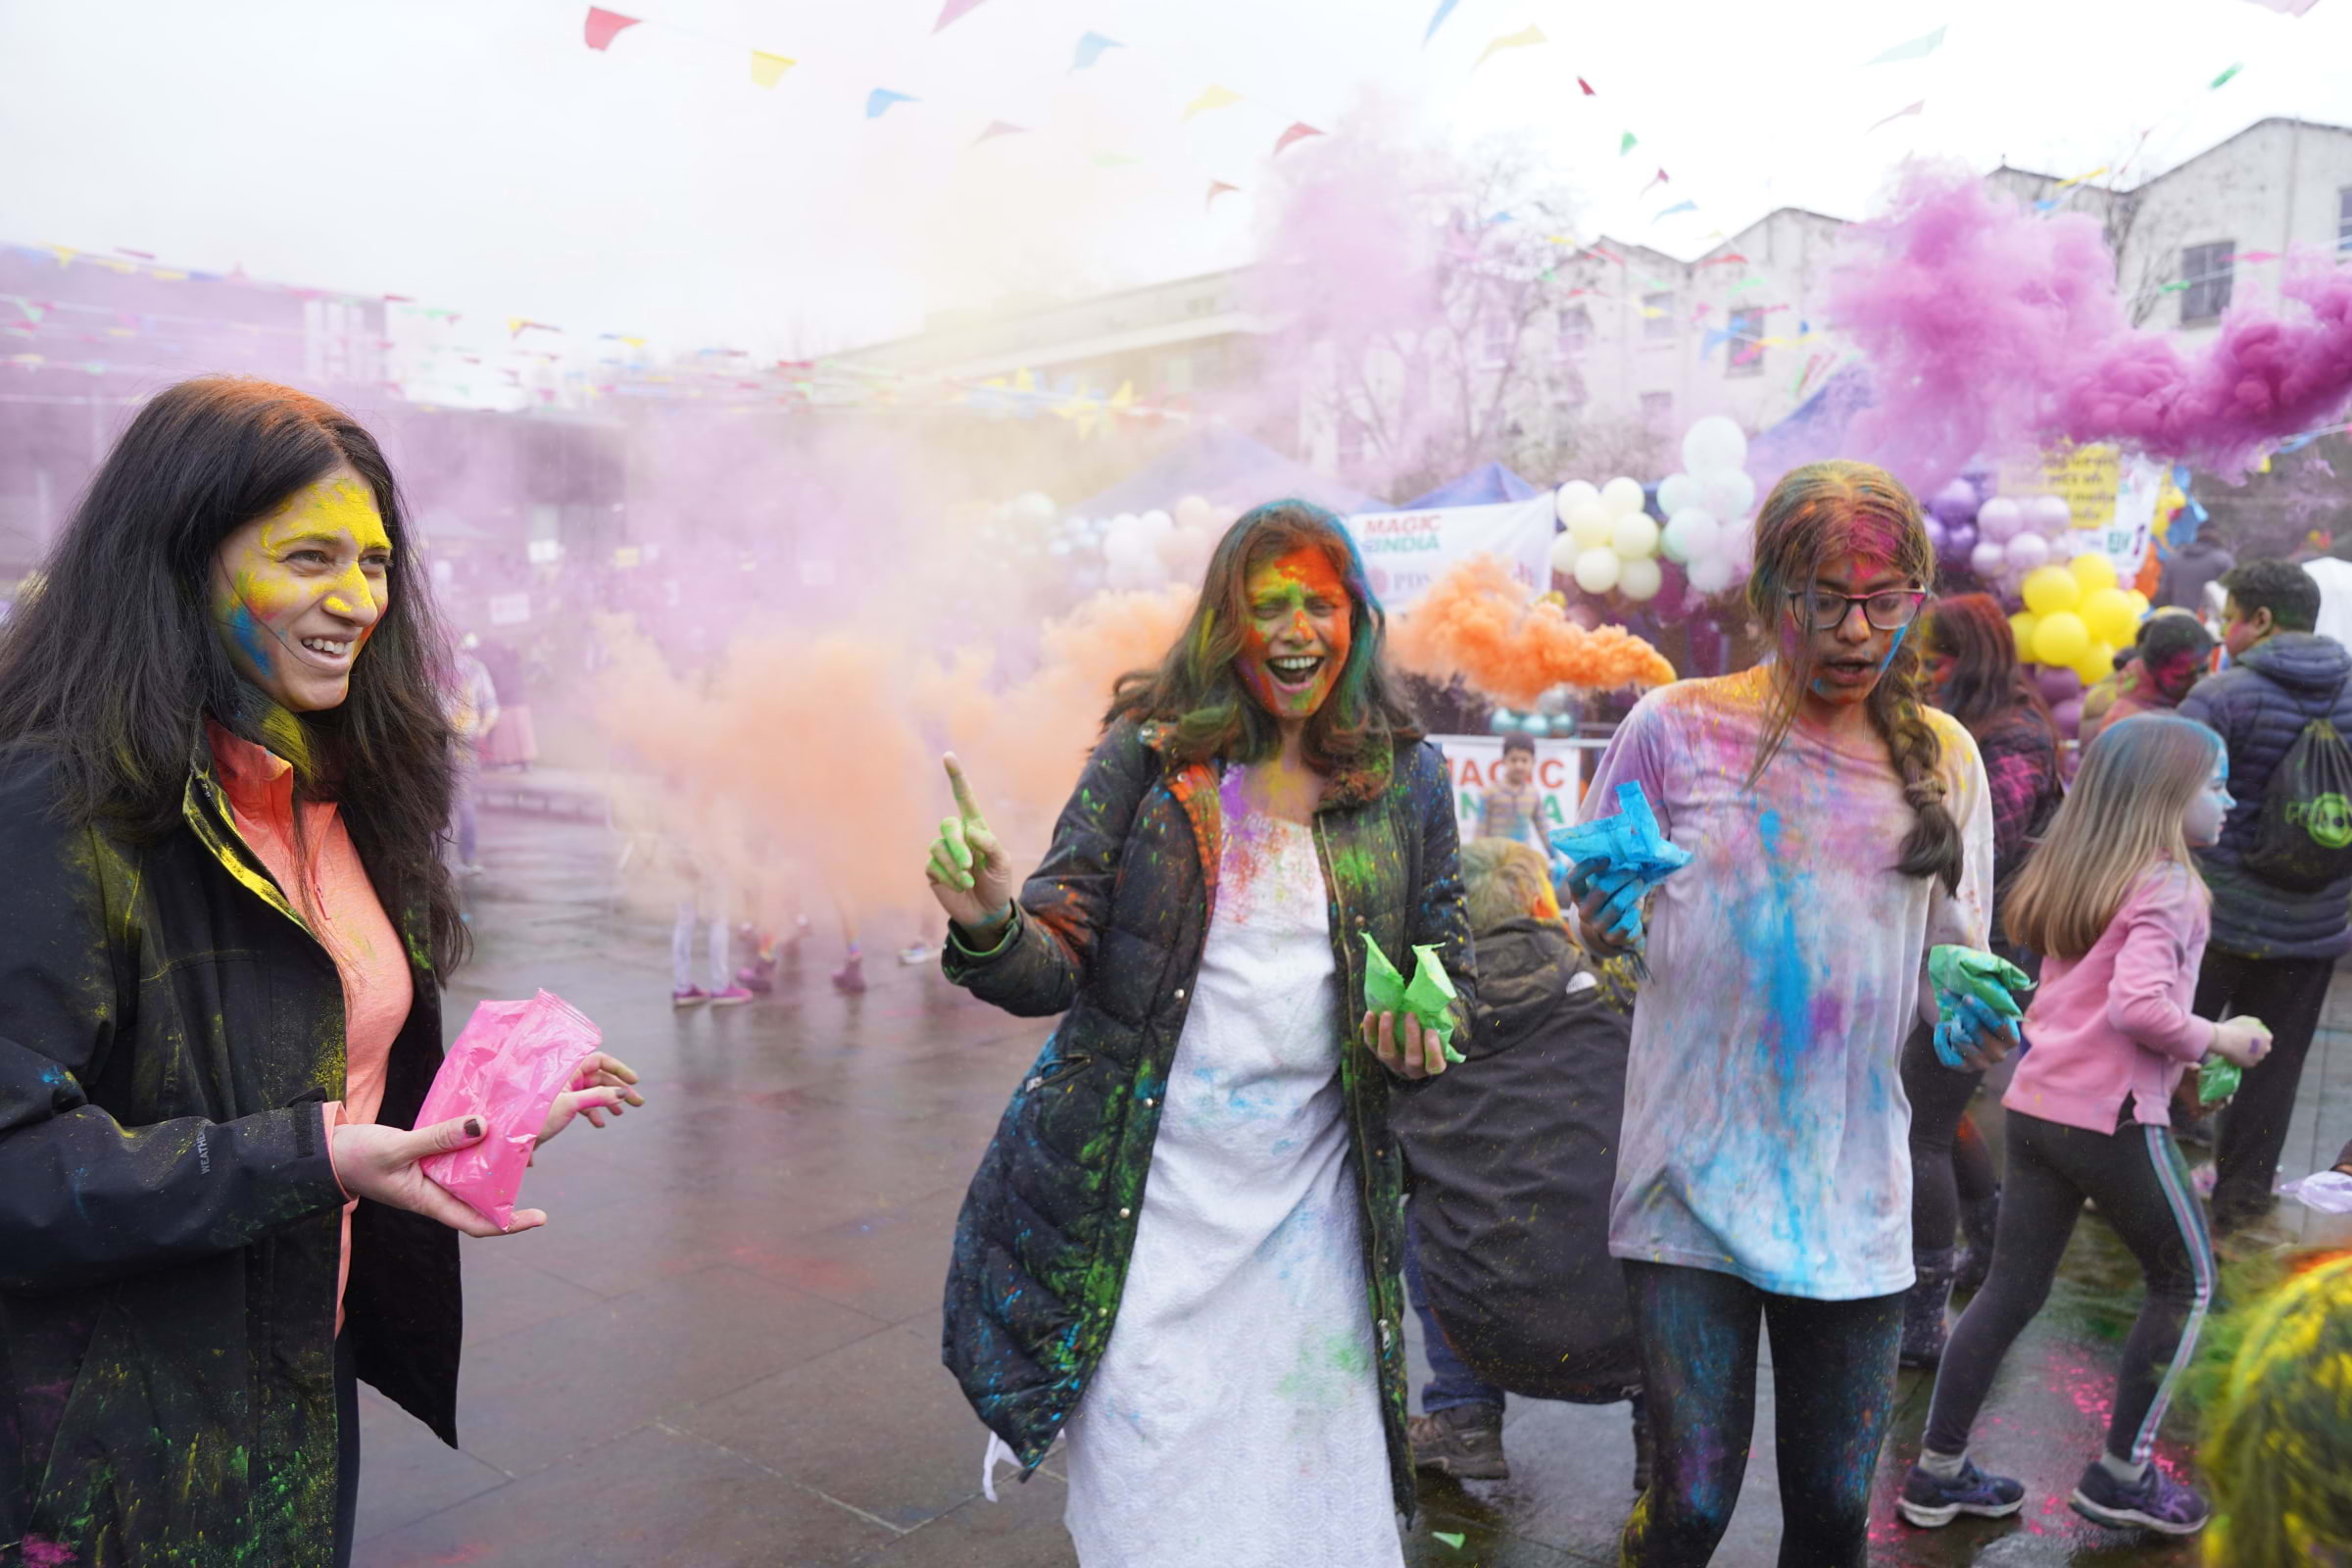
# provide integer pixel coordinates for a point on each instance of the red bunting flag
(1217, 188)
(1587, 87)
(1000, 127)
(1299, 131)
(951, 10)
(1656, 180)
(1724, 260)
(606, 25)
(1906, 111)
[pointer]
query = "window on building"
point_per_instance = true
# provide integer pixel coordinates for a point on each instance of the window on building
(2343, 220)
(2206, 269)
(1657, 409)
(1746, 350)
(1576, 330)
(1495, 341)
(1200, 305)
(1657, 312)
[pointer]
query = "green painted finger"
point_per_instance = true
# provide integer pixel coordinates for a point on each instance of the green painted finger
(951, 834)
(963, 788)
(942, 871)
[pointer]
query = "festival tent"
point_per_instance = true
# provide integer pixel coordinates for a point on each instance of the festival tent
(1483, 486)
(1227, 467)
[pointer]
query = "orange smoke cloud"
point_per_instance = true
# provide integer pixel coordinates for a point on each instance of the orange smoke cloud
(1481, 624)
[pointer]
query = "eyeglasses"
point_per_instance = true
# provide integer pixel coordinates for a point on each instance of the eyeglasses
(1888, 610)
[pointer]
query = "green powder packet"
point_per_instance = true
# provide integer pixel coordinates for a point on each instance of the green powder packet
(1428, 997)
(2218, 1079)
(1957, 971)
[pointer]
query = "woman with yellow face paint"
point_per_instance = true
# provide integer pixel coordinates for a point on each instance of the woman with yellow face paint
(224, 770)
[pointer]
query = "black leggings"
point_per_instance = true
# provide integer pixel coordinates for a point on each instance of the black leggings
(2140, 1183)
(347, 1451)
(1833, 1386)
(1950, 1164)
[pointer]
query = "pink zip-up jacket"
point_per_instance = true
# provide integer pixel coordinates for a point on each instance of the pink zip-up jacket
(2115, 1023)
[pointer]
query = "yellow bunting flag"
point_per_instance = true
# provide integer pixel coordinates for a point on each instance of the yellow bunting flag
(768, 69)
(1023, 381)
(1212, 97)
(65, 254)
(1123, 396)
(1525, 37)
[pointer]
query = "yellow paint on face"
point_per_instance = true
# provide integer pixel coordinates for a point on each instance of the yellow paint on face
(326, 548)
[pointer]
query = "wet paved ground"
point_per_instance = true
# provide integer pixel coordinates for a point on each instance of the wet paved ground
(724, 1347)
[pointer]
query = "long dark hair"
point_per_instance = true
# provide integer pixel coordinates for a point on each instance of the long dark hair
(112, 664)
(1196, 690)
(1815, 515)
(1987, 682)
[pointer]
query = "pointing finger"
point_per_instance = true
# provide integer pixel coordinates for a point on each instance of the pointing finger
(963, 788)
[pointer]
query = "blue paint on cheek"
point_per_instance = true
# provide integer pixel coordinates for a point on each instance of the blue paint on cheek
(250, 638)
(1893, 648)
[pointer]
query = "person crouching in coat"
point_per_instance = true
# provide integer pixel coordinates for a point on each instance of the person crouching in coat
(1510, 1163)
(1182, 1246)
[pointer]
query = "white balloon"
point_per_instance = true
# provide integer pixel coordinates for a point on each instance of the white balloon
(1676, 492)
(1714, 444)
(1636, 536)
(1641, 579)
(1564, 550)
(1729, 494)
(1622, 496)
(2025, 551)
(1033, 506)
(1573, 494)
(2050, 514)
(1140, 571)
(1987, 558)
(1598, 571)
(1690, 532)
(1157, 524)
(1193, 512)
(1591, 523)
(1710, 574)
(1999, 518)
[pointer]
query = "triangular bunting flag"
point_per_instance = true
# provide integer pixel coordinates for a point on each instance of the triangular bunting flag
(606, 25)
(998, 127)
(1587, 87)
(1917, 49)
(1627, 143)
(1090, 50)
(1444, 10)
(878, 102)
(1678, 206)
(1212, 97)
(1899, 114)
(768, 69)
(1123, 396)
(1659, 178)
(1299, 131)
(1525, 37)
(1217, 188)
(951, 10)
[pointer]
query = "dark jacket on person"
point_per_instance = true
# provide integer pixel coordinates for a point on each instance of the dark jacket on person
(170, 1233)
(1512, 1158)
(2019, 748)
(2260, 704)
(1111, 928)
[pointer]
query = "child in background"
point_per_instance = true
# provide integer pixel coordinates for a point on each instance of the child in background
(2114, 904)
(1513, 808)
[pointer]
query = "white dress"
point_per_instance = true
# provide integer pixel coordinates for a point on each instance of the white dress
(1234, 1418)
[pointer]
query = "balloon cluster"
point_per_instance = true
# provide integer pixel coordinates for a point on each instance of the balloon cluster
(2076, 616)
(1555, 716)
(1145, 549)
(1610, 543)
(2000, 539)
(1707, 506)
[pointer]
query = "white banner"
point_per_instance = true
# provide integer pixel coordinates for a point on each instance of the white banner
(1473, 761)
(1405, 552)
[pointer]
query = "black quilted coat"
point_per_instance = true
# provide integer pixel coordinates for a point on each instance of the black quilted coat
(1110, 928)
(2260, 704)
(169, 1231)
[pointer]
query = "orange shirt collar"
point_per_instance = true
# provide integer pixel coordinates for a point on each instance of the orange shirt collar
(258, 780)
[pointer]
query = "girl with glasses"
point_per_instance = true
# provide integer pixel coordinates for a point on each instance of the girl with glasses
(1838, 828)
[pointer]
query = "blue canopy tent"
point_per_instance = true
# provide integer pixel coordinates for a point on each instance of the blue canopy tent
(1227, 467)
(1483, 486)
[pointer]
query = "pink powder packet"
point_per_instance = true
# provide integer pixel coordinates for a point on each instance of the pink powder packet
(508, 1066)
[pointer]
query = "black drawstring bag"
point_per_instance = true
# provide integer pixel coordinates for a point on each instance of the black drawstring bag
(2303, 837)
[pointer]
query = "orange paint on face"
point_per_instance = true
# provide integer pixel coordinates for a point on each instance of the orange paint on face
(1300, 630)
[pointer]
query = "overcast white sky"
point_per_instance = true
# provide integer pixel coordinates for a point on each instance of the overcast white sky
(474, 154)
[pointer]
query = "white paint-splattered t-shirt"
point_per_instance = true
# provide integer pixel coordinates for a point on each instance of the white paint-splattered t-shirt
(1766, 1129)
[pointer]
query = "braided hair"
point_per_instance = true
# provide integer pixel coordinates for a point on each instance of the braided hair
(1815, 514)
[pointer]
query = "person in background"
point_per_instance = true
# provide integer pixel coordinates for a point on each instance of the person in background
(1513, 808)
(1973, 674)
(2113, 901)
(472, 701)
(2190, 568)
(2170, 658)
(2273, 949)
(1509, 1164)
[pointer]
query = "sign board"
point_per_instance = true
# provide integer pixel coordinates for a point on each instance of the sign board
(1406, 552)
(1472, 760)
(2113, 499)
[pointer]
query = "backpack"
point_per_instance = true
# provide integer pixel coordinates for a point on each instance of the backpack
(2303, 836)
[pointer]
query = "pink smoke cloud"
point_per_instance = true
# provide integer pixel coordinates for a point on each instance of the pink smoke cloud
(1992, 331)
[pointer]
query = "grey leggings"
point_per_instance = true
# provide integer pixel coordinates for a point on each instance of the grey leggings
(2140, 1184)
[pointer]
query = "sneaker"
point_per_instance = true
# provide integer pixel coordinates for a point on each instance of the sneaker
(1928, 1501)
(850, 978)
(1464, 1441)
(756, 978)
(2155, 1501)
(917, 953)
(732, 997)
(688, 995)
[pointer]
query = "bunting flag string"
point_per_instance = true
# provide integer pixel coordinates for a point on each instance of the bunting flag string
(881, 100)
(1090, 49)
(1525, 38)
(768, 69)
(1212, 97)
(1000, 127)
(954, 9)
(1444, 10)
(1217, 188)
(603, 27)
(1904, 113)
(1299, 131)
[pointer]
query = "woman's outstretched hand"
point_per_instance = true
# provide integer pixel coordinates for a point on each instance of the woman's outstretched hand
(604, 1086)
(1402, 1046)
(380, 1162)
(969, 871)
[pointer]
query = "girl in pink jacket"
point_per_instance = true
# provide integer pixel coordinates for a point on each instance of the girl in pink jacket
(2114, 903)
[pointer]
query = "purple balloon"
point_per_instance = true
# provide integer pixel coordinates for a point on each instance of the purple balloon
(2069, 715)
(1955, 503)
(1939, 537)
(2059, 684)
(1959, 542)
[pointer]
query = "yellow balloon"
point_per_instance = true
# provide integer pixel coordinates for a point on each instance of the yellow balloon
(2050, 590)
(2093, 571)
(2022, 623)
(2139, 605)
(2061, 638)
(2107, 611)
(2096, 664)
